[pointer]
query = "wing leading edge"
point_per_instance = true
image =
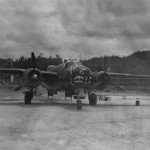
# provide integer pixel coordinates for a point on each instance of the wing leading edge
(122, 75)
(15, 71)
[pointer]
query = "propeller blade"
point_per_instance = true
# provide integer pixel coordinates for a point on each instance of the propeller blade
(33, 56)
(21, 86)
(96, 85)
(18, 87)
(116, 86)
(33, 60)
(105, 64)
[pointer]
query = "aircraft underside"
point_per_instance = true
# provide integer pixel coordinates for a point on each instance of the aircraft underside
(77, 94)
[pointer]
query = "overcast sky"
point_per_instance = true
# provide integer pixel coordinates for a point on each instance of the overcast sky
(70, 27)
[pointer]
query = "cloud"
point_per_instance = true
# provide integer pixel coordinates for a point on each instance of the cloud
(68, 27)
(24, 28)
(118, 23)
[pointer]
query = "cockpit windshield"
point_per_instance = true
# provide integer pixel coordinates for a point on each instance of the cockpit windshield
(73, 63)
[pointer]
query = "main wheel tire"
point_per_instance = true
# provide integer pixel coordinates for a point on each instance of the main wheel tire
(79, 104)
(92, 99)
(137, 103)
(28, 97)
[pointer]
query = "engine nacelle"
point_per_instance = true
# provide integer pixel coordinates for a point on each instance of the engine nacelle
(102, 77)
(33, 77)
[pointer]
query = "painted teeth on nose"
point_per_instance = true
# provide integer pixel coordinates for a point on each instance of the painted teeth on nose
(76, 78)
(86, 78)
(81, 78)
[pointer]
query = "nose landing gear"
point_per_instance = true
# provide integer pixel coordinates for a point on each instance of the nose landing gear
(79, 95)
(79, 104)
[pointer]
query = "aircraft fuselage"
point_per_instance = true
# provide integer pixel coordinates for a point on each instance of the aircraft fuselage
(71, 75)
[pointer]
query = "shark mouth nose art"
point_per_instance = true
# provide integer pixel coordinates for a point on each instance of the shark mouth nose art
(81, 77)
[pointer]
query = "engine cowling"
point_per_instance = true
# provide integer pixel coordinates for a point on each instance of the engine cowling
(103, 77)
(33, 77)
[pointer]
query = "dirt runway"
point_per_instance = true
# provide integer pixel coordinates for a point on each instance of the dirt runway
(58, 125)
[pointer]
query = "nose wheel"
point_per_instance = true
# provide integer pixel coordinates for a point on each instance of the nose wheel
(28, 97)
(79, 104)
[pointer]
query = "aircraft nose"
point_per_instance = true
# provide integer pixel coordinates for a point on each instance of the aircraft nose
(84, 73)
(86, 76)
(81, 76)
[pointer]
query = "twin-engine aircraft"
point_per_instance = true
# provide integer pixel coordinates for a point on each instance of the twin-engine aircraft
(71, 76)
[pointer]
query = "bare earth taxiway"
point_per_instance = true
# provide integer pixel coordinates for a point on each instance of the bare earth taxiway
(58, 125)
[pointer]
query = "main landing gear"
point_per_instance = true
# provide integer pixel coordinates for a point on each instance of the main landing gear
(92, 99)
(28, 97)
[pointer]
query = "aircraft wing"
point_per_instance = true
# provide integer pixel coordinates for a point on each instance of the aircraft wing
(20, 72)
(13, 71)
(122, 75)
(100, 79)
(43, 76)
(49, 75)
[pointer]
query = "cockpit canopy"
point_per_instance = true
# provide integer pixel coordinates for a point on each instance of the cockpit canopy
(50, 67)
(72, 63)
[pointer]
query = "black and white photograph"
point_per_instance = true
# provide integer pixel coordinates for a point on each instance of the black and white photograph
(74, 75)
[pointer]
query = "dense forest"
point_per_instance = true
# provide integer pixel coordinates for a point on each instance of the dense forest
(23, 62)
(136, 63)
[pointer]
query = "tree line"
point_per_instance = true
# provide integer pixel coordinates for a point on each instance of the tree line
(136, 63)
(24, 63)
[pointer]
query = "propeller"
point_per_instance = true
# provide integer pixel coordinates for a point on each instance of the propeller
(104, 79)
(117, 86)
(106, 74)
(32, 75)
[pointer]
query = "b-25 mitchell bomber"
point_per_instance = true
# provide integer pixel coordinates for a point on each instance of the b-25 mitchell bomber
(71, 76)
